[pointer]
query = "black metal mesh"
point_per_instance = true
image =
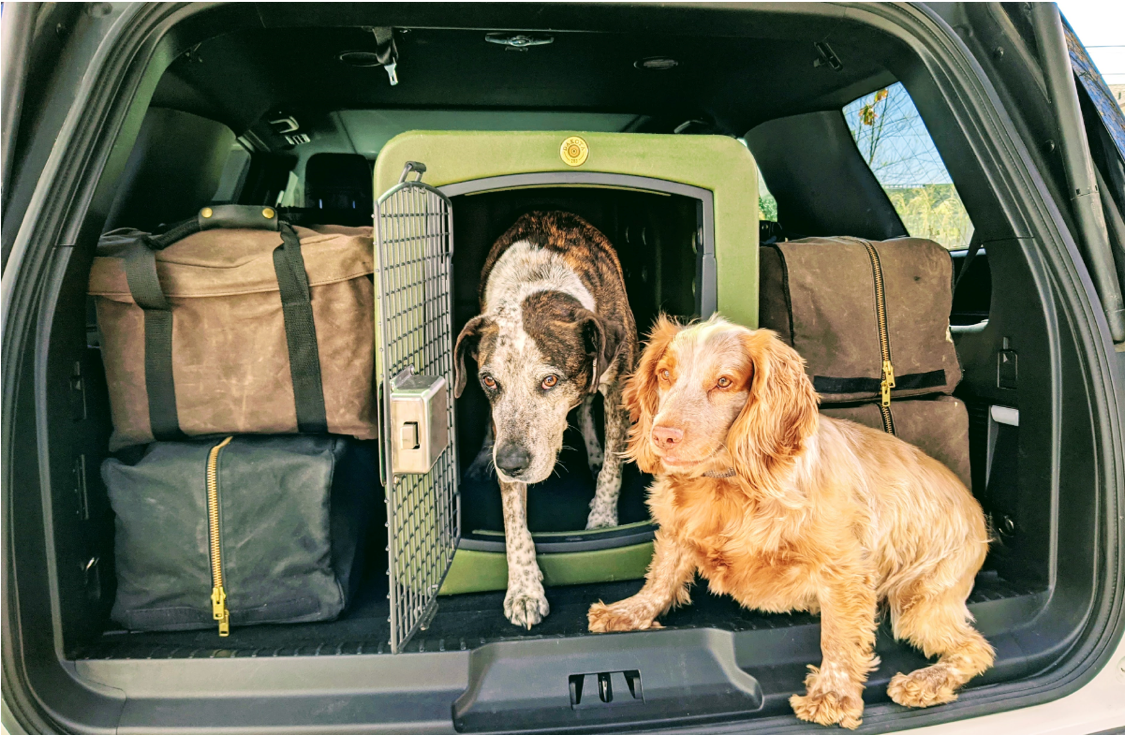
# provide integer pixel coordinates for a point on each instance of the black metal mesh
(414, 250)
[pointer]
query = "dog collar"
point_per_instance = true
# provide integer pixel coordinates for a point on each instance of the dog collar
(721, 474)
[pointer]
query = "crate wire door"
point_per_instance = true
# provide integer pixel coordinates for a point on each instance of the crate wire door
(414, 249)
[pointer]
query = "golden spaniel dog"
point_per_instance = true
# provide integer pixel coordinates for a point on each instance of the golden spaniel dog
(785, 509)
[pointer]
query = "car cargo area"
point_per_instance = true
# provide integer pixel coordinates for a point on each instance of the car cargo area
(285, 108)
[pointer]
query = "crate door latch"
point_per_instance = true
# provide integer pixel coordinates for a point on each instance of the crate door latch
(419, 422)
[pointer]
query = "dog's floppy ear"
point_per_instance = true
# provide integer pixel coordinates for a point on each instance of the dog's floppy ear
(467, 342)
(641, 397)
(780, 413)
(602, 340)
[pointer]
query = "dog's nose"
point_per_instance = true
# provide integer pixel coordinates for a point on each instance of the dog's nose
(666, 436)
(512, 459)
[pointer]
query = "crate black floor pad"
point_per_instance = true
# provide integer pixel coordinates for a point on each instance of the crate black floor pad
(468, 621)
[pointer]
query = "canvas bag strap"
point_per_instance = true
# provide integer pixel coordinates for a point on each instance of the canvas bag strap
(144, 285)
(300, 333)
(220, 216)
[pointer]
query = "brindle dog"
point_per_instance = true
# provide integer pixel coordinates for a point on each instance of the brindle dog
(555, 328)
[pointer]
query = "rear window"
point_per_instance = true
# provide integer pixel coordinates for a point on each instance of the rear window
(767, 205)
(894, 141)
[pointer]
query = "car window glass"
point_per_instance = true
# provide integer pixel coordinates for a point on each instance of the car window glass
(894, 141)
(767, 205)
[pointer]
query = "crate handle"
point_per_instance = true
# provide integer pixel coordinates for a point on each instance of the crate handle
(412, 166)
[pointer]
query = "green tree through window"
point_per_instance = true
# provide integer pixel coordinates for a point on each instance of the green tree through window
(767, 205)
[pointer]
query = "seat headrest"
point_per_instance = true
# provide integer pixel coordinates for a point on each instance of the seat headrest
(174, 169)
(339, 181)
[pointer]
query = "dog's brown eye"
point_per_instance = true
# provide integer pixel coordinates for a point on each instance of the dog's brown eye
(724, 382)
(550, 381)
(489, 381)
(665, 375)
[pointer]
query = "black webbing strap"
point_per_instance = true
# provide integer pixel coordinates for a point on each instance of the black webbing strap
(300, 333)
(910, 381)
(140, 272)
(174, 234)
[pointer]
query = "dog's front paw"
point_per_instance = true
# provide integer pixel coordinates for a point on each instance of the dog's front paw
(829, 708)
(922, 688)
(601, 518)
(526, 607)
(618, 617)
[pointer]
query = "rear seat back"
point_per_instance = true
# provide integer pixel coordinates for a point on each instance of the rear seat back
(174, 169)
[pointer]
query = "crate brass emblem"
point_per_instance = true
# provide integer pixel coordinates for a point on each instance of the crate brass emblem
(574, 151)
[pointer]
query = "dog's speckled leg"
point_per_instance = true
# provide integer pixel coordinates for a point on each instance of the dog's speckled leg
(603, 508)
(666, 583)
(526, 602)
(594, 454)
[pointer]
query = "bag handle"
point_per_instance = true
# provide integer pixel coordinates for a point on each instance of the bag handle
(296, 303)
(221, 216)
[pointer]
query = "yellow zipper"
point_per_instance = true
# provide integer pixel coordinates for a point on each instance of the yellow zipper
(888, 381)
(218, 595)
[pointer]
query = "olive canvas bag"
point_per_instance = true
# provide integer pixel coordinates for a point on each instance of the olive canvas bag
(871, 319)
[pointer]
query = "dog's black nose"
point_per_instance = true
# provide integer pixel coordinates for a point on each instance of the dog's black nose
(512, 459)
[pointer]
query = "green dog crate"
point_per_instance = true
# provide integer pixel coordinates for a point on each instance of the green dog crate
(682, 212)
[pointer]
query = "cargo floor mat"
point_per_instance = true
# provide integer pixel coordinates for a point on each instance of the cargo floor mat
(467, 621)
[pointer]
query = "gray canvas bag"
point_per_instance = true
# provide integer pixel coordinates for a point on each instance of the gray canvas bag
(238, 531)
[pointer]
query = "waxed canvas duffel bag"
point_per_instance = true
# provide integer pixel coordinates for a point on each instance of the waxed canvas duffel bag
(242, 530)
(235, 322)
(870, 318)
(939, 426)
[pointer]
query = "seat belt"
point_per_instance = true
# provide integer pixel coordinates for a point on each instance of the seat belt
(974, 248)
